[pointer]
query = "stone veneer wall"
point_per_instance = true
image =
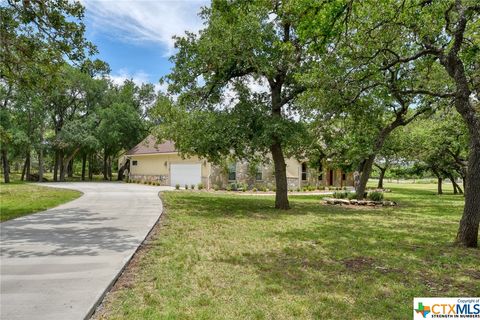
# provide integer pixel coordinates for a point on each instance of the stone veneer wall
(163, 179)
(219, 177)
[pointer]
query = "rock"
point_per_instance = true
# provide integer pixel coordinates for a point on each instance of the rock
(329, 200)
(342, 201)
(389, 203)
(354, 201)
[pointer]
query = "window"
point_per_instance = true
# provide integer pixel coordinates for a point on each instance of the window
(134, 162)
(344, 177)
(304, 171)
(258, 173)
(320, 172)
(232, 171)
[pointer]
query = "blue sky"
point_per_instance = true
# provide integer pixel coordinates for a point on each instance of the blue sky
(135, 37)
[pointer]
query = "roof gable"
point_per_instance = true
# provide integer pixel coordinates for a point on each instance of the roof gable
(150, 145)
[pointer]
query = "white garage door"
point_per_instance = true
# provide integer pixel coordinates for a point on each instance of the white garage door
(183, 174)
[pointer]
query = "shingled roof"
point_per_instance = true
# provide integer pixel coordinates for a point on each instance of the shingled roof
(150, 145)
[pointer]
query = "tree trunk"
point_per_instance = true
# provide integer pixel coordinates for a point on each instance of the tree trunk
(61, 166)
(90, 167)
(110, 168)
(55, 166)
(469, 224)
(380, 179)
(84, 163)
(6, 166)
(281, 183)
(439, 185)
(26, 167)
(456, 187)
(121, 170)
(365, 175)
(368, 162)
(281, 193)
(40, 164)
(66, 163)
(70, 168)
(105, 165)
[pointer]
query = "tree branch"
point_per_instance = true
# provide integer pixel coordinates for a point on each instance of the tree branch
(428, 93)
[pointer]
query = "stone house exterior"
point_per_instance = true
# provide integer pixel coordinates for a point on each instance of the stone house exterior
(152, 161)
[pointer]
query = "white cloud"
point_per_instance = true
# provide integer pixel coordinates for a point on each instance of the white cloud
(144, 20)
(138, 77)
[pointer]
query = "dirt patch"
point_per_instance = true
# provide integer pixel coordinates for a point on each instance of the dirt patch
(359, 263)
(474, 274)
(128, 276)
(365, 263)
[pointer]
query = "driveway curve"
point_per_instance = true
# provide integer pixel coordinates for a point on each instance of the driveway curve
(58, 263)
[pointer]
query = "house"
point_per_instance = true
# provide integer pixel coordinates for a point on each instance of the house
(152, 161)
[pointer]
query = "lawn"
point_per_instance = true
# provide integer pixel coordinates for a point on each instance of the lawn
(230, 257)
(18, 199)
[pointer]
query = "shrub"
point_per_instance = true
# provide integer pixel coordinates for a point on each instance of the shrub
(192, 187)
(274, 189)
(254, 189)
(177, 186)
(200, 186)
(375, 196)
(186, 187)
(298, 189)
(241, 187)
(216, 187)
(340, 195)
(263, 188)
(233, 187)
(145, 182)
(352, 195)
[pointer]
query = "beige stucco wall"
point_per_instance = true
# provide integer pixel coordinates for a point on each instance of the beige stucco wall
(159, 165)
(293, 168)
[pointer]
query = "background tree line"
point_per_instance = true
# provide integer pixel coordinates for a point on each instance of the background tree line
(59, 108)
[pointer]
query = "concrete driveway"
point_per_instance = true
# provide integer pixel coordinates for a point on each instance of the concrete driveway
(57, 264)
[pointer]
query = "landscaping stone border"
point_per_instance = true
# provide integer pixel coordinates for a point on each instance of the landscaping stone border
(355, 202)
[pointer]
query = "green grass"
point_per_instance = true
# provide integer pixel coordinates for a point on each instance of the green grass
(18, 199)
(231, 257)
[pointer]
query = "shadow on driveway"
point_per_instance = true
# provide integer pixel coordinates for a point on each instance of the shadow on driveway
(63, 232)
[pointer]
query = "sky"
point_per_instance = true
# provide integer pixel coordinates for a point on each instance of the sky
(135, 36)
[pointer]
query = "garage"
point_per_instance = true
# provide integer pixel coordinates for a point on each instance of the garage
(183, 174)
